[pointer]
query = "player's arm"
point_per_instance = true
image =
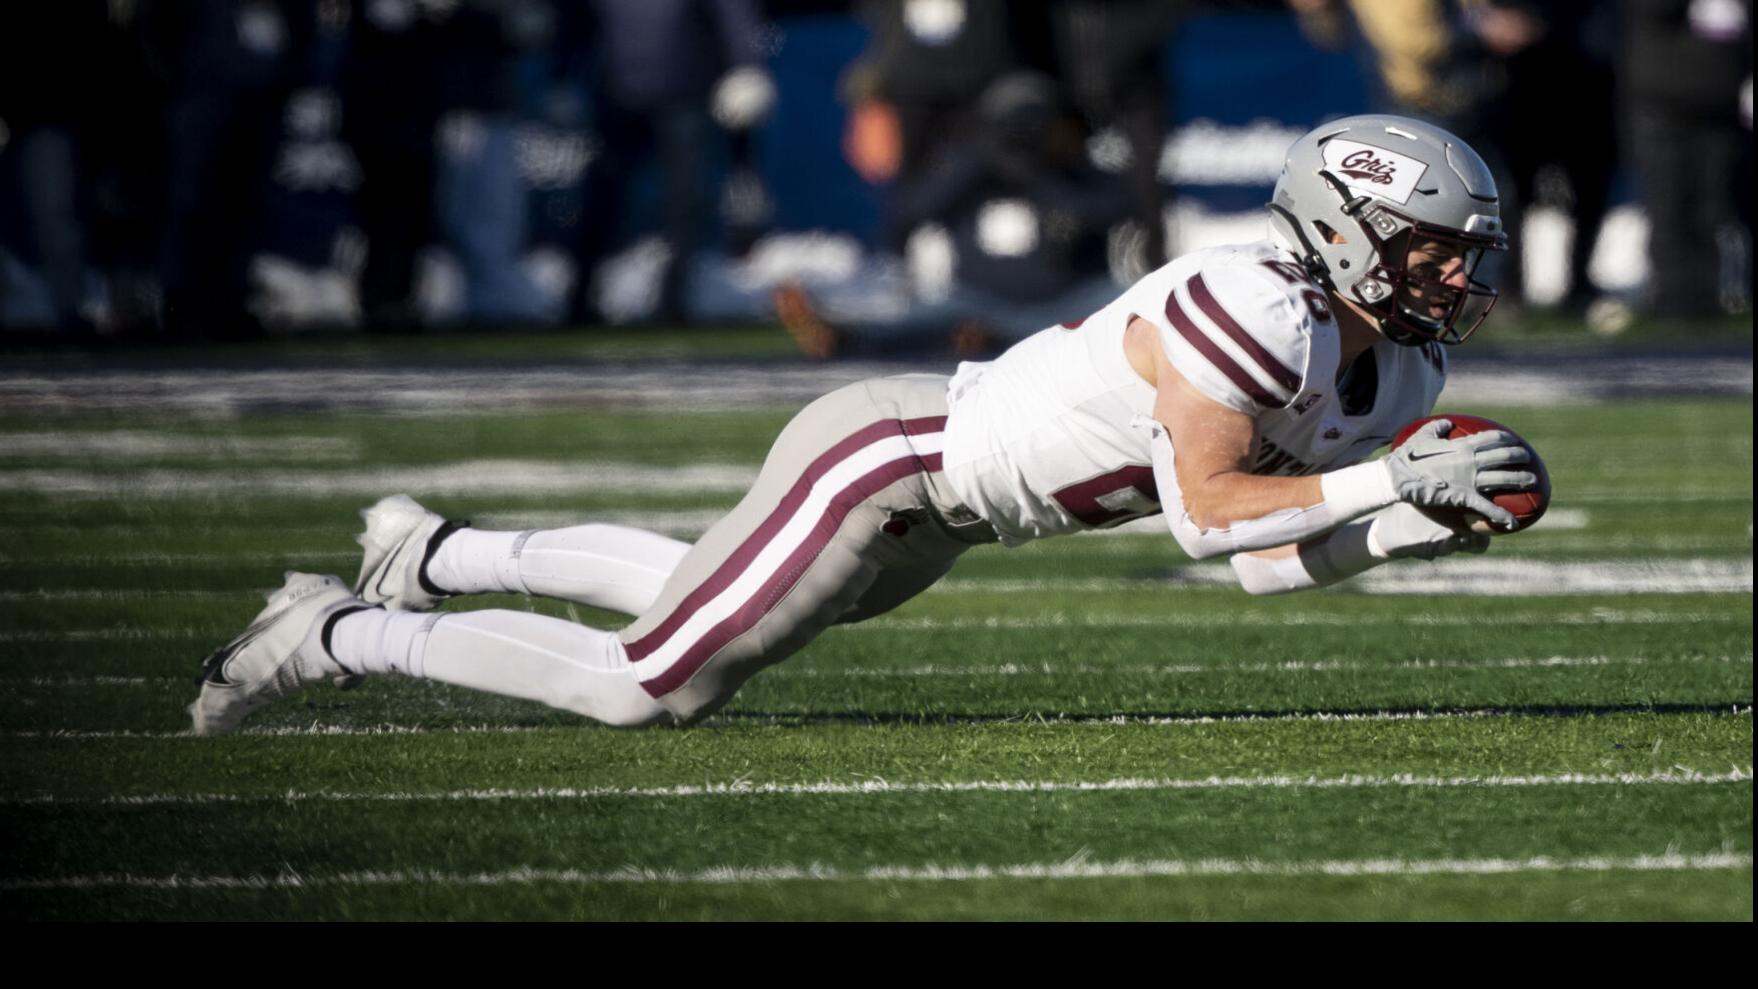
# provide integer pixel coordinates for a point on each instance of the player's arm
(1214, 504)
(1398, 532)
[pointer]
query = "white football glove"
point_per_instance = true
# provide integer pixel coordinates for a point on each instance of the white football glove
(1435, 472)
(1403, 532)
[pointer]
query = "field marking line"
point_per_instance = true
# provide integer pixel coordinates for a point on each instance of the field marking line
(125, 444)
(815, 872)
(1051, 669)
(744, 788)
(486, 476)
(731, 386)
(1478, 578)
(510, 476)
(1234, 619)
(1054, 620)
(291, 731)
(1474, 577)
(1109, 721)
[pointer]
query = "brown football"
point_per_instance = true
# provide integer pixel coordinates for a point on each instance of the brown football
(1527, 506)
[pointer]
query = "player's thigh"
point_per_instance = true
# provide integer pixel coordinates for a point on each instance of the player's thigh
(796, 553)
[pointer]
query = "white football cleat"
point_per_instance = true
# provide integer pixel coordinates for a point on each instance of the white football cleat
(400, 538)
(281, 652)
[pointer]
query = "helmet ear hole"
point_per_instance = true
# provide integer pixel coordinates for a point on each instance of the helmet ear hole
(1329, 233)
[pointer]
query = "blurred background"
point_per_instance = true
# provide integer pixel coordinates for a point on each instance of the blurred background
(875, 177)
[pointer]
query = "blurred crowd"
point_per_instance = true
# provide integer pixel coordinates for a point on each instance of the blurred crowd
(206, 168)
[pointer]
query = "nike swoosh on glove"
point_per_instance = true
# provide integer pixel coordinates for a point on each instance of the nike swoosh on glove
(1433, 471)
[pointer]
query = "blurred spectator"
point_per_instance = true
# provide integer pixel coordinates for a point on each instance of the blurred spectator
(430, 98)
(1026, 215)
(1550, 108)
(666, 71)
(49, 110)
(481, 196)
(910, 93)
(1109, 55)
(1415, 47)
(227, 67)
(1683, 66)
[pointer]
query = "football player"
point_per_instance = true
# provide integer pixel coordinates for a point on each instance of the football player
(1238, 390)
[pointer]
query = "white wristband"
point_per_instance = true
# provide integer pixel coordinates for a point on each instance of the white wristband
(1355, 491)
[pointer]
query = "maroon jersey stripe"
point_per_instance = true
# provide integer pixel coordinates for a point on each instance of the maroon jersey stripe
(741, 558)
(791, 570)
(1194, 335)
(1206, 301)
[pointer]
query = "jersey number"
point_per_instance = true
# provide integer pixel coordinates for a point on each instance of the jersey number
(1114, 498)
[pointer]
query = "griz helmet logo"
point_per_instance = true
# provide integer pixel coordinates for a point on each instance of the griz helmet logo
(1363, 165)
(1379, 172)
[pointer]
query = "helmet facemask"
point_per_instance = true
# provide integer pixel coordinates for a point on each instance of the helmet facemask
(1424, 302)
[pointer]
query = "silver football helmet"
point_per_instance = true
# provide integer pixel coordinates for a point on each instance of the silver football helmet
(1355, 197)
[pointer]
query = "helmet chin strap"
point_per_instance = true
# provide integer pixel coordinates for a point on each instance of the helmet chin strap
(1315, 264)
(1309, 259)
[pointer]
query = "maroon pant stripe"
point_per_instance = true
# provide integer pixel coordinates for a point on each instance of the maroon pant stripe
(1205, 300)
(1194, 335)
(790, 571)
(747, 551)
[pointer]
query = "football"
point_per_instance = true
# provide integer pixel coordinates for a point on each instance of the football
(1527, 506)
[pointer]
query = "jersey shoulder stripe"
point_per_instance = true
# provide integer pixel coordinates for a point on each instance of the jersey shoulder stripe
(1217, 357)
(1279, 372)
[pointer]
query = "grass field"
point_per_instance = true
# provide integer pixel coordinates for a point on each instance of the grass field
(1086, 728)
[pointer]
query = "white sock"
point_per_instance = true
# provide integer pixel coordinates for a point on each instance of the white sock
(479, 561)
(512, 653)
(606, 566)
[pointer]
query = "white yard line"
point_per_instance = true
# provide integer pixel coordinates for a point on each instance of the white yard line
(684, 385)
(1054, 620)
(1472, 577)
(1073, 869)
(116, 447)
(243, 557)
(491, 476)
(294, 731)
(741, 788)
(1285, 666)
(1469, 577)
(964, 670)
(323, 731)
(475, 477)
(1242, 618)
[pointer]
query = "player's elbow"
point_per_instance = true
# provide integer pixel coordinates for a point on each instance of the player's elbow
(1207, 505)
(1197, 542)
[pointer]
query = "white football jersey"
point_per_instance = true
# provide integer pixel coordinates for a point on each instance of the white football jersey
(1039, 441)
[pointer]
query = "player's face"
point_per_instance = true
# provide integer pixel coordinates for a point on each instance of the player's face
(1437, 272)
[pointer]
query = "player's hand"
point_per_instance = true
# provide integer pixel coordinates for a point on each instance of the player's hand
(1403, 532)
(1432, 471)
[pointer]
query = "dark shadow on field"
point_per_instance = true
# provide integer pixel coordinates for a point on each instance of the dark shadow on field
(806, 718)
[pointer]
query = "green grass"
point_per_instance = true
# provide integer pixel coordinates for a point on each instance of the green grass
(1567, 743)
